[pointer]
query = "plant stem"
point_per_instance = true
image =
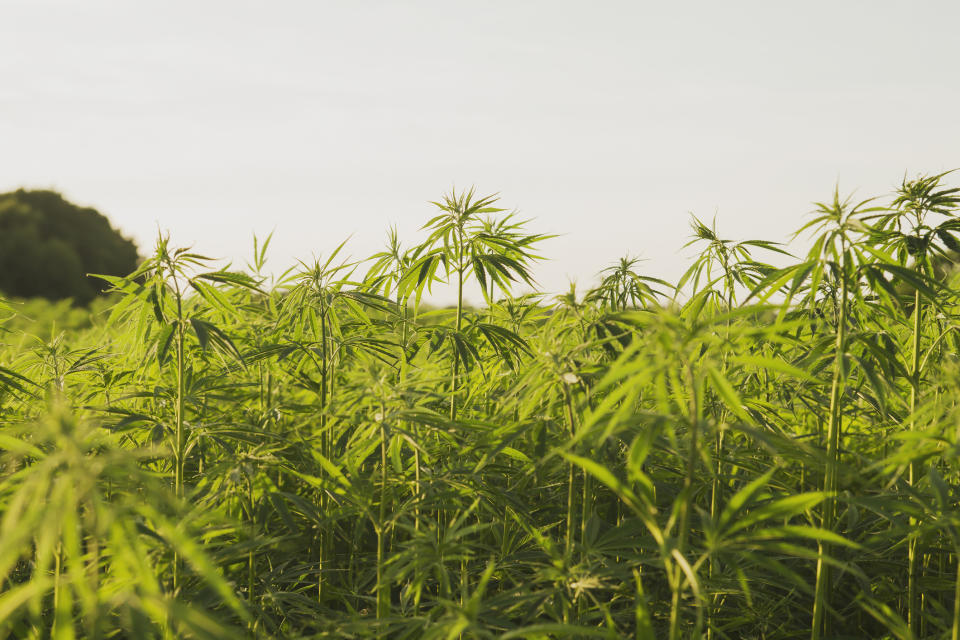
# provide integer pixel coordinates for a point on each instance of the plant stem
(914, 606)
(402, 376)
(686, 502)
(383, 603)
(571, 478)
(718, 448)
(324, 446)
(571, 488)
(820, 624)
(955, 632)
(456, 359)
(179, 434)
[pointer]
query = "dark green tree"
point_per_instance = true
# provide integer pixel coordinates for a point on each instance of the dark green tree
(48, 246)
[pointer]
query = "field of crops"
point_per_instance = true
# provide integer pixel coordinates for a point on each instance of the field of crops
(751, 452)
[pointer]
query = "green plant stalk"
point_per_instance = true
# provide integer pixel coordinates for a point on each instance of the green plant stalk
(571, 490)
(718, 448)
(323, 382)
(260, 388)
(383, 603)
(93, 563)
(955, 630)
(714, 507)
(686, 502)
(57, 577)
(455, 371)
(718, 439)
(464, 581)
(456, 360)
(322, 535)
(643, 625)
(571, 477)
(586, 505)
(402, 303)
(914, 605)
(568, 539)
(179, 429)
(821, 597)
(251, 555)
(402, 376)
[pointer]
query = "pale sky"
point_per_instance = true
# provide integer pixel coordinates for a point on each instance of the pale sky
(607, 122)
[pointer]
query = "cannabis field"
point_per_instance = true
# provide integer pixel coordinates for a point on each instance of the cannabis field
(767, 448)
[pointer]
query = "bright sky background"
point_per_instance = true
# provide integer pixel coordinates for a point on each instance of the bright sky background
(608, 122)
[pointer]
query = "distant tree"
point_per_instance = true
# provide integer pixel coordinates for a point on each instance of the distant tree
(48, 246)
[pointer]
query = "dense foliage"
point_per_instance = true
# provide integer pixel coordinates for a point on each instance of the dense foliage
(49, 245)
(756, 452)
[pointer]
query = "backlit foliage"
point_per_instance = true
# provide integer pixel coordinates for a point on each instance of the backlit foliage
(759, 451)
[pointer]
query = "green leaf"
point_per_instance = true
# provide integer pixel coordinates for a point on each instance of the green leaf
(164, 339)
(725, 390)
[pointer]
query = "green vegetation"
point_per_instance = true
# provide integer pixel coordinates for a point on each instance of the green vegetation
(49, 245)
(756, 452)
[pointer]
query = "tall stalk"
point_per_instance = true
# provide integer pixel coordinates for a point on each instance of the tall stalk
(402, 302)
(455, 375)
(251, 555)
(914, 606)
(820, 624)
(571, 482)
(180, 436)
(571, 489)
(382, 591)
(955, 628)
(685, 501)
(324, 438)
(718, 451)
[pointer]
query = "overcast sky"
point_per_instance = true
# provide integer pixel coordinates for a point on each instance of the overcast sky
(607, 122)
